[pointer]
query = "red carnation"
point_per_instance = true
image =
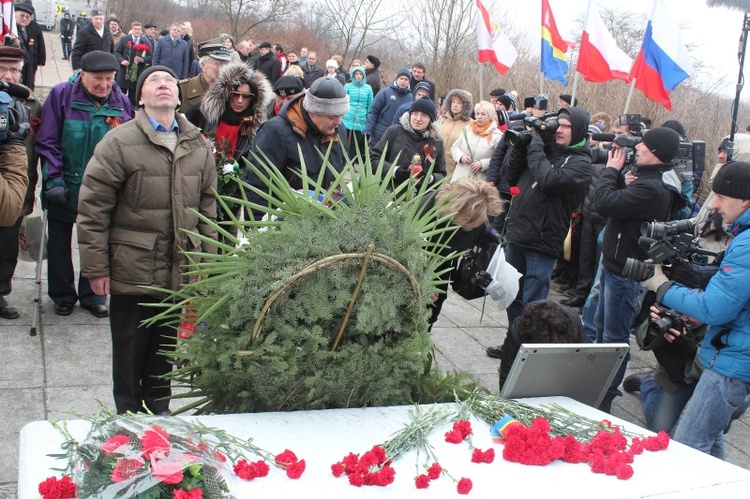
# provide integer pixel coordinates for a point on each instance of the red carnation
(454, 437)
(464, 486)
(434, 471)
(624, 471)
(52, 488)
(141, 47)
(286, 457)
(515, 191)
(295, 469)
(463, 426)
(422, 481)
(337, 469)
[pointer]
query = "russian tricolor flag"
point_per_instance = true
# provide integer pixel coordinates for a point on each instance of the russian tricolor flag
(554, 62)
(663, 61)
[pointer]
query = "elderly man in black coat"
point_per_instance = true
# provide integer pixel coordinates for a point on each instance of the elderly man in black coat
(93, 36)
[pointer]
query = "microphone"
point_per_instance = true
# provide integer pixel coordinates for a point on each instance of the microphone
(603, 137)
(14, 90)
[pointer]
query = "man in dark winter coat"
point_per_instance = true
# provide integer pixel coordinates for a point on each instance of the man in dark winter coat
(372, 73)
(93, 36)
(267, 63)
(32, 43)
(418, 71)
(127, 55)
(172, 51)
(311, 123)
(67, 30)
(385, 105)
(552, 179)
(652, 196)
(312, 70)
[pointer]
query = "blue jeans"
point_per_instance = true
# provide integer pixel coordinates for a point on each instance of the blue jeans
(717, 400)
(588, 313)
(615, 311)
(534, 286)
(661, 408)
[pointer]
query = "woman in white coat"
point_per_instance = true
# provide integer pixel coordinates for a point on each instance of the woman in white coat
(475, 144)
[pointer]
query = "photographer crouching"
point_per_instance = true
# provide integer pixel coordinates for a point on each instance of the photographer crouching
(725, 304)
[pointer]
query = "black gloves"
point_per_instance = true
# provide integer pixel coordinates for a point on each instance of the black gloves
(481, 279)
(685, 344)
(56, 195)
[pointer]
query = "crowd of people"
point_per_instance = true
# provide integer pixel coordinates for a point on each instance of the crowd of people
(131, 125)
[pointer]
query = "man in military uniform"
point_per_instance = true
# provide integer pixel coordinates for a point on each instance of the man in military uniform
(213, 55)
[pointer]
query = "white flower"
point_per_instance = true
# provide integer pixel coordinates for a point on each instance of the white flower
(227, 169)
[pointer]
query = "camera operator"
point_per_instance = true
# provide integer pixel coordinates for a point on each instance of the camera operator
(647, 198)
(725, 304)
(552, 173)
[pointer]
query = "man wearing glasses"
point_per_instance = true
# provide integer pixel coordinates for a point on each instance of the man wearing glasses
(32, 42)
(140, 193)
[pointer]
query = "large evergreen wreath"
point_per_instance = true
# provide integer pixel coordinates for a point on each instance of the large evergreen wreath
(324, 305)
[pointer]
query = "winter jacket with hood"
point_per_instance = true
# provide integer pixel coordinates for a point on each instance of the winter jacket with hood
(137, 199)
(360, 100)
(551, 186)
(451, 125)
(383, 109)
(652, 196)
(216, 118)
(72, 125)
(402, 143)
(725, 304)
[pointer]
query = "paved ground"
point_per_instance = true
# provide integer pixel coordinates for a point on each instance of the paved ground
(66, 367)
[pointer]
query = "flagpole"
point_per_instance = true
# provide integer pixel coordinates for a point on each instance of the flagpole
(481, 81)
(578, 59)
(575, 85)
(541, 82)
(630, 95)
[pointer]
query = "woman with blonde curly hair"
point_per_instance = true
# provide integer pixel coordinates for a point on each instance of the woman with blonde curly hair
(472, 203)
(476, 143)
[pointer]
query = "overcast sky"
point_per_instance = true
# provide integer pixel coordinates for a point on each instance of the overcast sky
(714, 32)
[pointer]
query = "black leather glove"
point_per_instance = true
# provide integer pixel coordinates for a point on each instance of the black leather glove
(56, 195)
(481, 279)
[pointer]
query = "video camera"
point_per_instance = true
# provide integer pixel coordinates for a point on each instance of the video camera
(547, 125)
(625, 142)
(634, 122)
(690, 160)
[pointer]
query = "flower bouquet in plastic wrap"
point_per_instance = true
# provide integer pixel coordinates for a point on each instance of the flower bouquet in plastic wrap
(151, 458)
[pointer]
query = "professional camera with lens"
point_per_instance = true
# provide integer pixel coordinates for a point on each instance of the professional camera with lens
(626, 143)
(634, 122)
(668, 319)
(674, 245)
(547, 125)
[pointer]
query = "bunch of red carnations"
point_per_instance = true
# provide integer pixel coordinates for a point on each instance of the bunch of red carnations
(372, 468)
(608, 452)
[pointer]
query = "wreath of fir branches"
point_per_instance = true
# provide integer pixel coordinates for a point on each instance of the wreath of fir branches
(322, 305)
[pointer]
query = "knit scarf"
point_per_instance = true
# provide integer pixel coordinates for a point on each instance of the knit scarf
(482, 131)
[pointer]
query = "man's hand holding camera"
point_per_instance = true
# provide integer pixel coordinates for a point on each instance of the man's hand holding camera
(680, 338)
(616, 158)
(654, 282)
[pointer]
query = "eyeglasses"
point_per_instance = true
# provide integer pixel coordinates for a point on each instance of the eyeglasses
(565, 127)
(237, 95)
(13, 71)
(23, 15)
(155, 79)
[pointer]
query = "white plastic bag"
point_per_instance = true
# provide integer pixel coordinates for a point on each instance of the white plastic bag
(504, 286)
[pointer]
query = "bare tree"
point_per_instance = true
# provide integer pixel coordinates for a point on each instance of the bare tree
(356, 26)
(245, 15)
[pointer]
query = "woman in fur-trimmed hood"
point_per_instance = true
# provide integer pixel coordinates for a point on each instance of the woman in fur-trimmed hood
(457, 107)
(234, 107)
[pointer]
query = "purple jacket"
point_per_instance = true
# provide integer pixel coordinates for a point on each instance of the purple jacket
(71, 128)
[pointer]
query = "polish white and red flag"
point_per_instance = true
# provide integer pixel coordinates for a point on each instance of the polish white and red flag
(494, 46)
(599, 57)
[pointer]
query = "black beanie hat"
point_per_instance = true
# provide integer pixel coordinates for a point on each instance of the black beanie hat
(497, 92)
(676, 126)
(663, 142)
(426, 106)
(147, 72)
(506, 100)
(374, 60)
(733, 180)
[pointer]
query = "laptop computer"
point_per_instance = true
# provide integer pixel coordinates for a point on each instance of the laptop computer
(581, 371)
